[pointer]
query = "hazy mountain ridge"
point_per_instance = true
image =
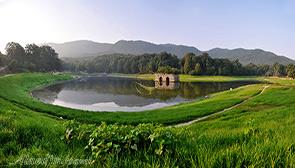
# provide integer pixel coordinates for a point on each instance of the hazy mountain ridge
(141, 47)
(85, 48)
(247, 56)
(81, 48)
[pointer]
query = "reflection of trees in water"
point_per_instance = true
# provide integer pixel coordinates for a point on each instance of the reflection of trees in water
(48, 94)
(121, 86)
(193, 90)
(106, 85)
(125, 86)
(163, 94)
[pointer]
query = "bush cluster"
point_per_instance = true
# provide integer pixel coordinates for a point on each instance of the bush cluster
(104, 140)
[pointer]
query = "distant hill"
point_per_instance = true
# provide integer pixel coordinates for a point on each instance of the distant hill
(81, 48)
(141, 47)
(85, 48)
(246, 56)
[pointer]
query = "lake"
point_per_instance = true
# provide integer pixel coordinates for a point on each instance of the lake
(128, 95)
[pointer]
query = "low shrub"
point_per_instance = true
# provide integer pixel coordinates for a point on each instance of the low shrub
(105, 140)
(77, 133)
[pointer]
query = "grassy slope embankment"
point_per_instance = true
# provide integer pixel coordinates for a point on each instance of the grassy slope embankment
(28, 134)
(17, 88)
(258, 133)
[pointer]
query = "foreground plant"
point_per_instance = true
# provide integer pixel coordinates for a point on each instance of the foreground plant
(105, 140)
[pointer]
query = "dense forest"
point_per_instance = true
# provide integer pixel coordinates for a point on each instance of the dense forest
(32, 58)
(167, 63)
(35, 58)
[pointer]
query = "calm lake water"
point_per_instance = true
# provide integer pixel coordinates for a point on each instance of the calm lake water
(122, 94)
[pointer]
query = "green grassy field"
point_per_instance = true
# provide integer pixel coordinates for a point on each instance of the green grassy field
(257, 133)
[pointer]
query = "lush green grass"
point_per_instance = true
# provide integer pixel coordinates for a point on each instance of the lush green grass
(16, 89)
(281, 81)
(258, 133)
(25, 133)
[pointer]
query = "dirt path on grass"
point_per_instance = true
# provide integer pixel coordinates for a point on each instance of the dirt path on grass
(220, 112)
(6, 75)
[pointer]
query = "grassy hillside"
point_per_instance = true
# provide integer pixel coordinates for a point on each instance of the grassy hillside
(17, 89)
(257, 133)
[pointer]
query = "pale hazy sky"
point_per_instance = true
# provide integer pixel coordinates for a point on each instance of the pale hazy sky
(205, 24)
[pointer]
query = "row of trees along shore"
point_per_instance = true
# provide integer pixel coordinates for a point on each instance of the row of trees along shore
(35, 58)
(167, 63)
(32, 58)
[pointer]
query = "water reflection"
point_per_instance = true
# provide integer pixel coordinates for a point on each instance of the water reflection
(167, 86)
(121, 94)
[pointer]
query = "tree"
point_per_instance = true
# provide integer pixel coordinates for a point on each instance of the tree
(168, 70)
(188, 63)
(32, 52)
(198, 68)
(16, 56)
(251, 69)
(15, 51)
(291, 71)
(279, 70)
(208, 64)
(1, 59)
(262, 69)
(152, 66)
(49, 59)
(237, 67)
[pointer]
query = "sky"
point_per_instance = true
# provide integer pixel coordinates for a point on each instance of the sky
(205, 24)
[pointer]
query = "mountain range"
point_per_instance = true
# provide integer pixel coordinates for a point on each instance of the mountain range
(86, 48)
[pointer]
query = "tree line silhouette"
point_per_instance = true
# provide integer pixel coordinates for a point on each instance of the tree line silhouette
(34, 58)
(167, 63)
